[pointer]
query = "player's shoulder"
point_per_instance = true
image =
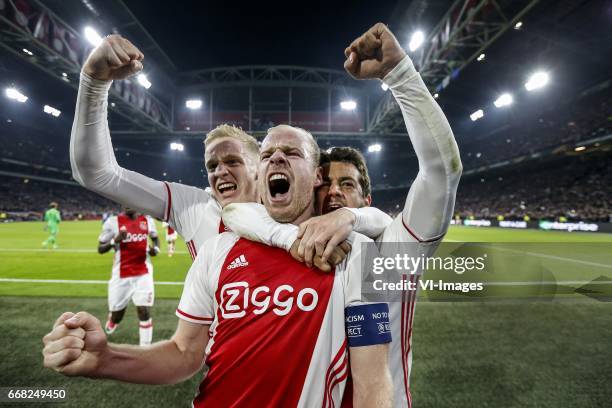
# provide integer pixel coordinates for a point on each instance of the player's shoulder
(218, 245)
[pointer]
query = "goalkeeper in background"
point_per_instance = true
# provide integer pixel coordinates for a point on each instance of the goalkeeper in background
(52, 218)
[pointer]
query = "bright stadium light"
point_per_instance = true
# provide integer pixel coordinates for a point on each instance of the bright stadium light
(477, 115)
(416, 41)
(30, 53)
(481, 57)
(51, 111)
(503, 100)
(436, 96)
(348, 105)
(518, 25)
(536, 81)
(580, 148)
(143, 81)
(177, 146)
(13, 93)
(384, 86)
(92, 36)
(374, 148)
(193, 103)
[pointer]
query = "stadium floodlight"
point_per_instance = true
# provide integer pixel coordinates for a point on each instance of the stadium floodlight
(436, 95)
(384, 86)
(193, 103)
(30, 53)
(376, 147)
(536, 81)
(503, 100)
(143, 81)
(177, 146)
(416, 41)
(348, 105)
(65, 75)
(481, 57)
(518, 25)
(477, 115)
(92, 36)
(580, 148)
(51, 111)
(13, 93)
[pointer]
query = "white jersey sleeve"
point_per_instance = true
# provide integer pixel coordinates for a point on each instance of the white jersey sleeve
(110, 229)
(197, 301)
(351, 267)
(93, 161)
(190, 208)
(252, 221)
(431, 198)
(369, 221)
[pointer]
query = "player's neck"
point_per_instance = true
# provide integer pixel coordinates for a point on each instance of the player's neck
(307, 214)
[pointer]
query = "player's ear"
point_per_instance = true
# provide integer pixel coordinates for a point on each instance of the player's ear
(318, 181)
(368, 200)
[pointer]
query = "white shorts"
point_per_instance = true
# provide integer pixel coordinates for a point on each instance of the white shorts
(172, 237)
(138, 288)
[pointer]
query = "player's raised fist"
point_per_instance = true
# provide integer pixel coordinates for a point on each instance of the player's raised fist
(374, 54)
(76, 345)
(114, 58)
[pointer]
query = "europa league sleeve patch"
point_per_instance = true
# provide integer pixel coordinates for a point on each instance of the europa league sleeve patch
(367, 324)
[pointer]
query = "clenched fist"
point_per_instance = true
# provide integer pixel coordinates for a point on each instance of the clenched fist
(114, 58)
(374, 54)
(76, 345)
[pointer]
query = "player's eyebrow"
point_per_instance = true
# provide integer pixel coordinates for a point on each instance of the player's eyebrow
(283, 148)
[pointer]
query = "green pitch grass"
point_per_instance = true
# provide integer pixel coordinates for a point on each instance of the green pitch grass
(551, 352)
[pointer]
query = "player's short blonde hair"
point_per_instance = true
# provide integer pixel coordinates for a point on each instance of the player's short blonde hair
(313, 147)
(233, 132)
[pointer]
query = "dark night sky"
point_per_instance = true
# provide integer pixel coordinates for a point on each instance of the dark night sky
(212, 34)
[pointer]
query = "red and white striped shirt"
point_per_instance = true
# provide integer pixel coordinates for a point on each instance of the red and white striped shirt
(277, 326)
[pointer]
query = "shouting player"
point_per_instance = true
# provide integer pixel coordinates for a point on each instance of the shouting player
(132, 274)
(231, 157)
(52, 218)
(245, 305)
(346, 185)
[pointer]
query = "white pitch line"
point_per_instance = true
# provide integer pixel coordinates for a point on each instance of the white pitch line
(74, 250)
(103, 282)
(540, 255)
(82, 282)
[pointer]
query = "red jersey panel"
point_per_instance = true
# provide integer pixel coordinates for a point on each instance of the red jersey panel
(134, 247)
(276, 304)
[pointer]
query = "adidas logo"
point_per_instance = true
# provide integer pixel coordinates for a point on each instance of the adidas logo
(238, 262)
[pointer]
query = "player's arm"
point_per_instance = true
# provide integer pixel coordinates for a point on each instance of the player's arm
(111, 234)
(319, 236)
(429, 205)
(154, 250)
(77, 346)
(92, 156)
(252, 221)
(368, 332)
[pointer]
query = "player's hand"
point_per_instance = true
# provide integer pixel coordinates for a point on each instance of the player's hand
(76, 345)
(121, 235)
(114, 58)
(336, 256)
(374, 54)
(321, 235)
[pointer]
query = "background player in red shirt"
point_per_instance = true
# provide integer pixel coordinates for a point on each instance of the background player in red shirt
(132, 273)
(171, 237)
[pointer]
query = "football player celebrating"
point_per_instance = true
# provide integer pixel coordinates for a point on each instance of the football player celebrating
(132, 273)
(418, 229)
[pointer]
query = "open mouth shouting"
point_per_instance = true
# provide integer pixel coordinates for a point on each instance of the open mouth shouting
(278, 188)
(330, 206)
(226, 188)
